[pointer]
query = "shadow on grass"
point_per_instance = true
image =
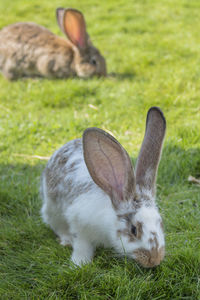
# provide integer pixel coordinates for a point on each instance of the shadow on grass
(122, 76)
(40, 78)
(177, 164)
(19, 188)
(112, 75)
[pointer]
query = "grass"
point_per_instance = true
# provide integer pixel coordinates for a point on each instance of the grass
(153, 58)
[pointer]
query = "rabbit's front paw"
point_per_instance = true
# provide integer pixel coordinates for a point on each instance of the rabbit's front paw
(82, 252)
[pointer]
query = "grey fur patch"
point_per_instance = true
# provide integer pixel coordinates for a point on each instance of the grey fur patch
(73, 167)
(60, 185)
(59, 189)
(77, 144)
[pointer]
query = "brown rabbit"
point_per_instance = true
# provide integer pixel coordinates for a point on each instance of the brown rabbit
(27, 49)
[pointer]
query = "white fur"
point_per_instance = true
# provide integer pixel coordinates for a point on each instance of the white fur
(151, 220)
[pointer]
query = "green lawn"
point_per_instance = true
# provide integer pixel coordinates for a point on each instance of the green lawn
(153, 58)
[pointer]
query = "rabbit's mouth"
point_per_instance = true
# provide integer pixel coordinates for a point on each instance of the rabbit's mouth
(87, 70)
(149, 258)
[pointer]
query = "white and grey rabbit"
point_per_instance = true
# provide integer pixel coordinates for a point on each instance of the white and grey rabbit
(27, 49)
(91, 195)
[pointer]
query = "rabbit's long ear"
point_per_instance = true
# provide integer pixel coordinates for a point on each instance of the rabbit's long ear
(149, 156)
(72, 23)
(109, 165)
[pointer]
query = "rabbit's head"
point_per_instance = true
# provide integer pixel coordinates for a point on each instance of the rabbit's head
(139, 229)
(87, 59)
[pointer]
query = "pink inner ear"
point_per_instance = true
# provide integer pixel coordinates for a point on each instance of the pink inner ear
(112, 173)
(75, 28)
(108, 164)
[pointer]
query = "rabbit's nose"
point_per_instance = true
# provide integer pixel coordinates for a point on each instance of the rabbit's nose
(149, 259)
(156, 256)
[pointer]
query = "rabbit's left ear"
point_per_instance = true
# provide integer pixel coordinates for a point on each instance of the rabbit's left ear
(72, 23)
(149, 156)
(109, 165)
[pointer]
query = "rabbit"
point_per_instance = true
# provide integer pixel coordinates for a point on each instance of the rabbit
(27, 49)
(91, 195)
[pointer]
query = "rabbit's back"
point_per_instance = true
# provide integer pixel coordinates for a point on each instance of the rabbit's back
(27, 49)
(27, 32)
(66, 176)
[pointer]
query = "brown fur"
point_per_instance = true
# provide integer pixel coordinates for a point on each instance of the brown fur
(149, 259)
(27, 49)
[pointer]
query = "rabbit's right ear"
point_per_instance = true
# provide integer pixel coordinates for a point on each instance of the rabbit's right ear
(109, 165)
(149, 156)
(72, 23)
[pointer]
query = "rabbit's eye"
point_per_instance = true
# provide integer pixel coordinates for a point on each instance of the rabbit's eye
(93, 62)
(133, 230)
